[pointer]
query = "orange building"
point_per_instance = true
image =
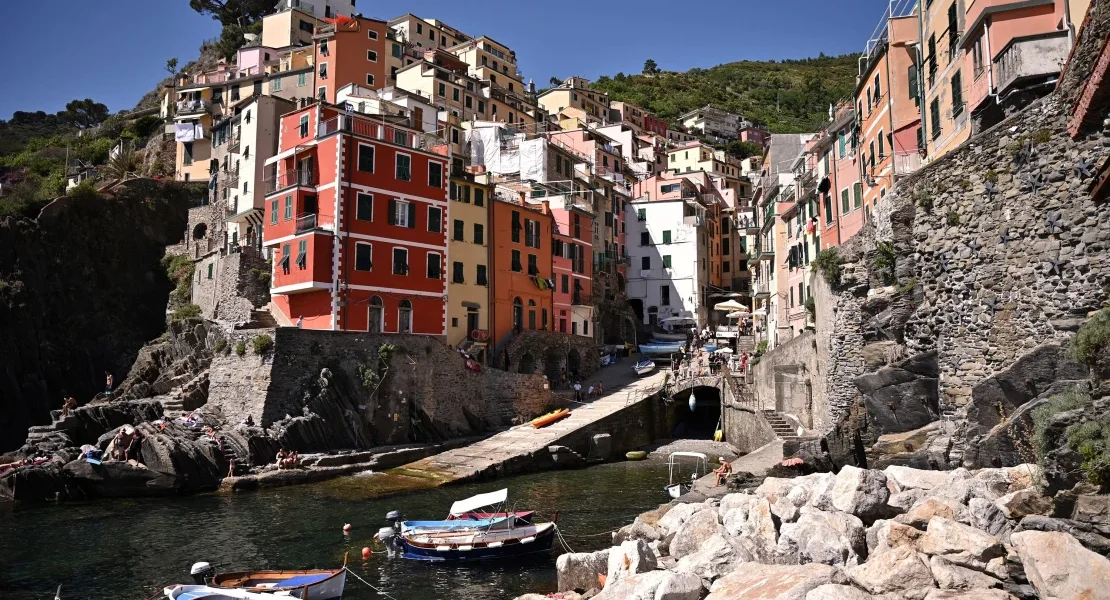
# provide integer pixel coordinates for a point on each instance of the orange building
(351, 50)
(520, 268)
(887, 111)
(355, 215)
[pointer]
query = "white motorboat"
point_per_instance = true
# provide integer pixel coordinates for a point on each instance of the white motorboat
(675, 464)
(644, 367)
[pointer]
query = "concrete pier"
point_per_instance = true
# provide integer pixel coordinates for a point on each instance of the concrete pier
(630, 413)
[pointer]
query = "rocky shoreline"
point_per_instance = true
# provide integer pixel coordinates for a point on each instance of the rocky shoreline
(897, 533)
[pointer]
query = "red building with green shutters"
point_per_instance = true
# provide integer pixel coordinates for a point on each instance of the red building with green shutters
(356, 213)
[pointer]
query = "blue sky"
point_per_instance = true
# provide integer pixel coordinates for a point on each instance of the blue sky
(114, 51)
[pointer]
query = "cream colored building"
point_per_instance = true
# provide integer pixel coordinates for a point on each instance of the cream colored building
(696, 156)
(492, 61)
(575, 92)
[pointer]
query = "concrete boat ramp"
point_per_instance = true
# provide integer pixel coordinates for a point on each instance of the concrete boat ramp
(626, 413)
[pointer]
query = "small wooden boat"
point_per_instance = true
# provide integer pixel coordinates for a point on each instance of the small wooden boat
(499, 536)
(311, 584)
(644, 367)
(550, 418)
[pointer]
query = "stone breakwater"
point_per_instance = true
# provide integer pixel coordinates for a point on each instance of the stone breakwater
(900, 533)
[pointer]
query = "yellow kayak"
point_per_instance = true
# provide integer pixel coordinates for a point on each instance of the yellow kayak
(549, 418)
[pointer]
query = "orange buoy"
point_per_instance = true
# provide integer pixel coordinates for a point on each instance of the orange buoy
(347, 528)
(366, 552)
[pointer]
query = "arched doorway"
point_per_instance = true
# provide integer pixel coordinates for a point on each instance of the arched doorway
(532, 314)
(375, 315)
(200, 231)
(518, 315)
(553, 365)
(637, 308)
(527, 364)
(574, 361)
(404, 317)
(701, 422)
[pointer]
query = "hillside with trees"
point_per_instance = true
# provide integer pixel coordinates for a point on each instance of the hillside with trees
(789, 96)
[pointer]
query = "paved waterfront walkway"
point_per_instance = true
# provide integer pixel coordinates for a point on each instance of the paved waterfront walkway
(623, 389)
(757, 462)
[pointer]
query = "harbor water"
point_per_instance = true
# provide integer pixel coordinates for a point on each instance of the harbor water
(131, 548)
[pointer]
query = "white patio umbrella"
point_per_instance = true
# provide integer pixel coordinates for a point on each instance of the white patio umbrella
(736, 314)
(729, 306)
(724, 351)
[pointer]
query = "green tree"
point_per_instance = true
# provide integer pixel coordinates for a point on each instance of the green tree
(554, 81)
(229, 12)
(171, 68)
(743, 150)
(650, 67)
(85, 113)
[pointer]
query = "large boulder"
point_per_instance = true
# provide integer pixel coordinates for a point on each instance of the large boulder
(900, 569)
(670, 522)
(962, 485)
(884, 535)
(1058, 566)
(969, 595)
(906, 478)
(630, 558)
(860, 492)
(774, 488)
(902, 396)
(1093, 537)
(1023, 503)
(773, 582)
(921, 513)
(641, 586)
(951, 576)
(754, 526)
(638, 530)
(116, 479)
(579, 570)
(963, 545)
(987, 517)
(900, 502)
(832, 591)
(694, 531)
(831, 538)
(716, 557)
(679, 586)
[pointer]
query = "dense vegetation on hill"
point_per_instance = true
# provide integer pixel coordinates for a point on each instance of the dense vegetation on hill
(790, 96)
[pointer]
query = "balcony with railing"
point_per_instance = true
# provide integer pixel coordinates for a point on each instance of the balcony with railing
(1030, 58)
(762, 289)
(906, 163)
(289, 178)
(193, 107)
(378, 131)
(306, 222)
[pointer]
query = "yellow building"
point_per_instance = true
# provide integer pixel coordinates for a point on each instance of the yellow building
(575, 92)
(943, 81)
(468, 258)
(443, 80)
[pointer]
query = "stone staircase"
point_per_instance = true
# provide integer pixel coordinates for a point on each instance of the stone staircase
(188, 394)
(745, 343)
(783, 428)
(260, 319)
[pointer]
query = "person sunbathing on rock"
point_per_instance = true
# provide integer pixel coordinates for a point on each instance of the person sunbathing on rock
(723, 471)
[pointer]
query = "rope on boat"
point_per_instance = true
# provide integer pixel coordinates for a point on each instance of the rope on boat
(380, 592)
(562, 540)
(590, 535)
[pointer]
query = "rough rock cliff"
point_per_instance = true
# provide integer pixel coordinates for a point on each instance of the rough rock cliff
(81, 291)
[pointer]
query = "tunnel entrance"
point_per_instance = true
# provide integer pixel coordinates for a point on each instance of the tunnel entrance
(701, 422)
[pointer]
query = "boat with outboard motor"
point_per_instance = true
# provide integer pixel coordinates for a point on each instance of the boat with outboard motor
(308, 584)
(495, 535)
(674, 462)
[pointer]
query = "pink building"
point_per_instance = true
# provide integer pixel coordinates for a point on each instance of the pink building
(755, 135)
(1012, 52)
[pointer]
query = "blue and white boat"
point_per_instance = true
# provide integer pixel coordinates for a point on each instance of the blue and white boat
(645, 366)
(500, 535)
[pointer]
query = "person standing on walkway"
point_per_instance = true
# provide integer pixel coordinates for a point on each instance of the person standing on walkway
(578, 391)
(108, 381)
(564, 380)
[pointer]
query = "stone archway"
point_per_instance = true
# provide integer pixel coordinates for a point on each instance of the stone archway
(574, 362)
(200, 231)
(527, 364)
